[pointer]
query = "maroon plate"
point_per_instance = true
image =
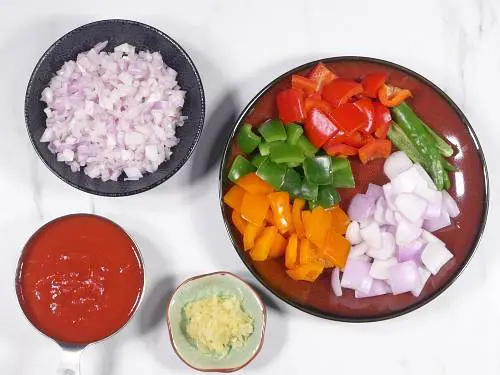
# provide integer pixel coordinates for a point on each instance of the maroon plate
(469, 188)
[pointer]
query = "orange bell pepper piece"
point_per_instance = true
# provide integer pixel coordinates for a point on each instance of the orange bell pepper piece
(318, 227)
(378, 148)
(234, 197)
(238, 221)
(340, 220)
(263, 245)
(298, 206)
(335, 250)
(254, 184)
(303, 83)
(391, 96)
(269, 217)
(306, 252)
(254, 208)
(306, 272)
(306, 218)
(282, 216)
(278, 247)
(250, 235)
(291, 251)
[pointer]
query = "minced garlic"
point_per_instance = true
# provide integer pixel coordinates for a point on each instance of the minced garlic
(217, 323)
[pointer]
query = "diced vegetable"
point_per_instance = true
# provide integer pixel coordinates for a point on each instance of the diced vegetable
(262, 247)
(353, 233)
(318, 170)
(378, 148)
(396, 164)
(278, 247)
(290, 104)
(292, 183)
(250, 235)
(319, 224)
(309, 191)
(306, 252)
(337, 289)
(298, 206)
(340, 220)
(254, 184)
(293, 133)
(404, 277)
(303, 83)
(258, 160)
(391, 96)
(264, 148)
(272, 173)
(291, 251)
(307, 272)
(240, 168)
(272, 131)
(308, 149)
(328, 196)
(342, 176)
(254, 208)
(238, 221)
(286, 153)
(372, 236)
(424, 276)
(234, 197)
(361, 207)
(340, 90)
(282, 215)
(365, 105)
(335, 249)
(380, 268)
(319, 127)
(340, 149)
(378, 288)
(349, 118)
(247, 140)
(372, 83)
(382, 120)
(321, 75)
(357, 275)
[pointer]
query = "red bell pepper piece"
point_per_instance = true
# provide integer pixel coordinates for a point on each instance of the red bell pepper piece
(339, 91)
(291, 105)
(349, 118)
(358, 139)
(310, 103)
(319, 127)
(372, 83)
(303, 83)
(340, 149)
(366, 105)
(321, 75)
(382, 120)
(378, 148)
(315, 96)
(391, 96)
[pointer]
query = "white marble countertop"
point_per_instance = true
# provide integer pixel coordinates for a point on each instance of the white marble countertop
(238, 47)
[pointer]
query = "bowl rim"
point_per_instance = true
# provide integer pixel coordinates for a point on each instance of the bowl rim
(339, 317)
(199, 85)
(262, 328)
(71, 345)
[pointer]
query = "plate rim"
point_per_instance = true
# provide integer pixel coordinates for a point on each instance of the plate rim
(468, 127)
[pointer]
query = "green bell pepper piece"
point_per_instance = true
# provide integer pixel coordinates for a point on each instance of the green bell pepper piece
(293, 133)
(328, 196)
(240, 168)
(294, 165)
(307, 147)
(292, 183)
(312, 204)
(318, 170)
(272, 173)
(285, 153)
(258, 160)
(264, 149)
(246, 139)
(308, 191)
(342, 173)
(273, 130)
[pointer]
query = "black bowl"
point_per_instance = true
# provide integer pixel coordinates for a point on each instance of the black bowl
(116, 32)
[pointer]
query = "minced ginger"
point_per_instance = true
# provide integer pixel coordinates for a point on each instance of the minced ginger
(217, 323)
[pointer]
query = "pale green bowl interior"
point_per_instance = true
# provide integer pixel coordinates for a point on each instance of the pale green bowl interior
(220, 284)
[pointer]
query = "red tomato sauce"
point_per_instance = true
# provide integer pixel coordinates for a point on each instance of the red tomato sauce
(79, 279)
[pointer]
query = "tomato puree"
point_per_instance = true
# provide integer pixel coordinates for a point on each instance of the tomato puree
(79, 279)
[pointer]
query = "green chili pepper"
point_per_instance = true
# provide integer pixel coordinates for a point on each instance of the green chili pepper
(328, 196)
(285, 153)
(247, 140)
(240, 168)
(293, 133)
(444, 147)
(307, 147)
(403, 143)
(272, 173)
(342, 173)
(447, 182)
(448, 166)
(318, 170)
(292, 183)
(412, 126)
(308, 191)
(258, 160)
(273, 130)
